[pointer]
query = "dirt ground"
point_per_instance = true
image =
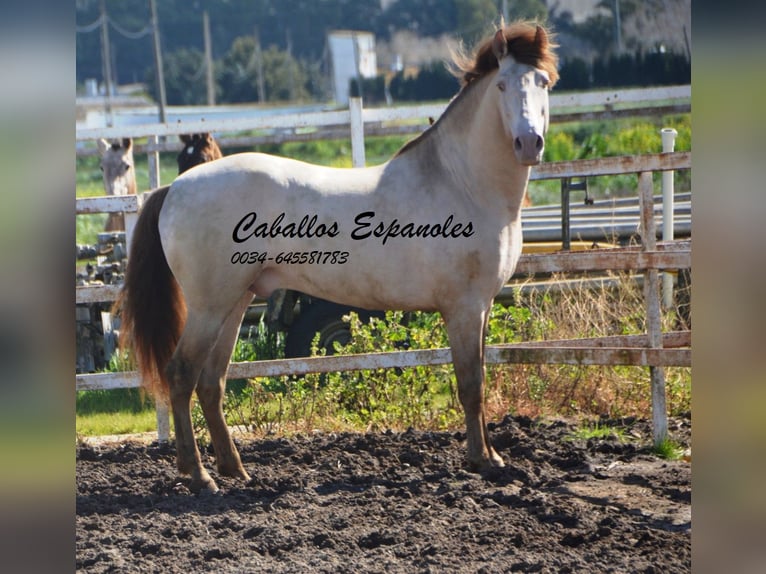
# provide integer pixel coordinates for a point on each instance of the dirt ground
(393, 502)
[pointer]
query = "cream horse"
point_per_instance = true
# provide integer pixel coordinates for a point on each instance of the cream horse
(119, 175)
(436, 228)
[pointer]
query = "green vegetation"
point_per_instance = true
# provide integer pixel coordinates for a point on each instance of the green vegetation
(598, 431)
(588, 140)
(426, 397)
(116, 411)
(669, 450)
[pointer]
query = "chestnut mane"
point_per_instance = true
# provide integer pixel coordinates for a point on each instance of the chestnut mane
(528, 43)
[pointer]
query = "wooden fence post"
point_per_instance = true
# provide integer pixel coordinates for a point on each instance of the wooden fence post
(653, 311)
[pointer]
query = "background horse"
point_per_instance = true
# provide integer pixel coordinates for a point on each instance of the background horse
(436, 228)
(119, 175)
(198, 148)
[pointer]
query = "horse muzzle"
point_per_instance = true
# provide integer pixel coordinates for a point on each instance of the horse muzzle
(529, 148)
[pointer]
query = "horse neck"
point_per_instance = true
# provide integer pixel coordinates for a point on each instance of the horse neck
(131, 175)
(477, 153)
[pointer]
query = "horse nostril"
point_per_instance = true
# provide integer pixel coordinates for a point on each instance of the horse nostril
(539, 143)
(517, 144)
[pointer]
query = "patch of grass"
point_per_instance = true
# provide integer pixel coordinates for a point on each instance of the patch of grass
(121, 422)
(112, 401)
(668, 449)
(598, 431)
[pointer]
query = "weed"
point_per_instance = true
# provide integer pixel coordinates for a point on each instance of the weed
(668, 449)
(598, 432)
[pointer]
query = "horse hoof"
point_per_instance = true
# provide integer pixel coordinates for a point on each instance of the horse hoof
(496, 461)
(234, 472)
(204, 487)
(486, 464)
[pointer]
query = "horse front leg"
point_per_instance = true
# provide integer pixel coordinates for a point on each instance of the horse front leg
(466, 334)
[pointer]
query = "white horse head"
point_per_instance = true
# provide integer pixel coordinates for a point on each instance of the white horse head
(520, 60)
(523, 96)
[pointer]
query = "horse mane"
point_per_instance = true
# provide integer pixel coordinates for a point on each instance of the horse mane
(528, 43)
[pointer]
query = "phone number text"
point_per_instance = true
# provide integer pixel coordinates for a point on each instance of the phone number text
(290, 257)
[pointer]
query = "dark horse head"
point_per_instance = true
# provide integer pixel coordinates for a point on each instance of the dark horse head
(198, 148)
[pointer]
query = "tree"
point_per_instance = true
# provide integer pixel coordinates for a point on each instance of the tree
(184, 78)
(474, 18)
(284, 77)
(527, 10)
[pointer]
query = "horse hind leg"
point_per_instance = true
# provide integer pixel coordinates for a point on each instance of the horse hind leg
(183, 372)
(466, 333)
(210, 391)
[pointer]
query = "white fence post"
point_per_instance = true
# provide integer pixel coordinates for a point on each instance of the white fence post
(357, 132)
(668, 208)
(154, 163)
(653, 311)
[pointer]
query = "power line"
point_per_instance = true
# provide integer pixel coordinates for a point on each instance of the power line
(145, 31)
(89, 27)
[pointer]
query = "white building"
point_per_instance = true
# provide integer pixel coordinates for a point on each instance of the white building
(353, 56)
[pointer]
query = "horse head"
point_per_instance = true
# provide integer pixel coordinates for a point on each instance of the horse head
(198, 148)
(117, 166)
(523, 93)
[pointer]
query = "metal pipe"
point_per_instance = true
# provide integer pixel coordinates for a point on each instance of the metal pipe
(668, 211)
(357, 132)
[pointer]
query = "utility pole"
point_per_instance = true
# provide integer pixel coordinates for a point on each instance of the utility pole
(290, 67)
(505, 11)
(106, 63)
(617, 27)
(208, 59)
(158, 61)
(258, 55)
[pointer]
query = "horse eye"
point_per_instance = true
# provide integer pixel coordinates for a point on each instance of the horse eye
(501, 86)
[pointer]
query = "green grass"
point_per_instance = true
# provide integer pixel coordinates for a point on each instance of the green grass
(120, 422)
(668, 449)
(114, 411)
(598, 431)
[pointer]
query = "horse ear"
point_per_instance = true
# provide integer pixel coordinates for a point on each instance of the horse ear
(541, 38)
(127, 143)
(499, 45)
(103, 145)
(206, 137)
(185, 138)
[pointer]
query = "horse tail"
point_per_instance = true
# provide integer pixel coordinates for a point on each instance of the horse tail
(152, 306)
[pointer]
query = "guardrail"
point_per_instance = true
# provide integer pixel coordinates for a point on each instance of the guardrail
(653, 350)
